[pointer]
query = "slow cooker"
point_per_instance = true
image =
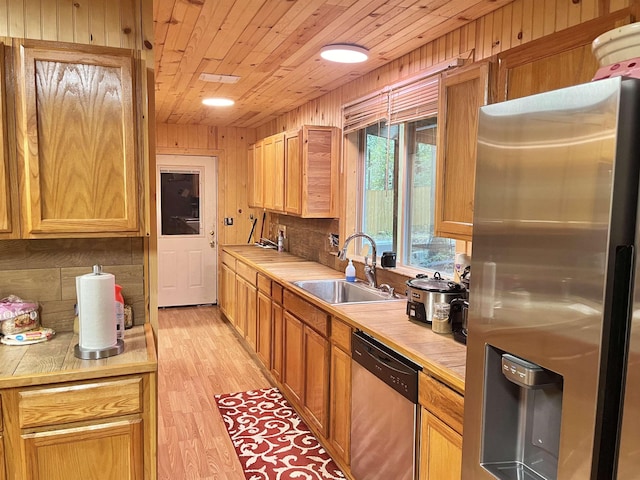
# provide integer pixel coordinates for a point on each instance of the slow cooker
(423, 293)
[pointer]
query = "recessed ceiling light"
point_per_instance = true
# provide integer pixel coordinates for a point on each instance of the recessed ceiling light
(344, 53)
(218, 102)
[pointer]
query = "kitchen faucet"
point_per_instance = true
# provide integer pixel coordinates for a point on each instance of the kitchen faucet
(369, 270)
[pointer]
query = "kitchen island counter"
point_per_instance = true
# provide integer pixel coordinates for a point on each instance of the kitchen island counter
(440, 355)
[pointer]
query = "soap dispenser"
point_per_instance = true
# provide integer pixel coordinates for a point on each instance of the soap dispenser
(350, 272)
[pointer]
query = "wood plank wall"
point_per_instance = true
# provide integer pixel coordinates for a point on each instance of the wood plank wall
(45, 270)
(515, 24)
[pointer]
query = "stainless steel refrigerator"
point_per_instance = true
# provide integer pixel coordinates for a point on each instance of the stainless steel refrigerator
(553, 353)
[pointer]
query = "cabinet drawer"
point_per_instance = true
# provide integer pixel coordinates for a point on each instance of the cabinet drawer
(309, 314)
(264, 284)
(77, 402)
(341, 334)
(442, 401)
(229, 260)
(276, 292)
(246, 272)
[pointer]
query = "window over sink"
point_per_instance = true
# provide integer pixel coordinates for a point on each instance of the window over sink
(397, 179)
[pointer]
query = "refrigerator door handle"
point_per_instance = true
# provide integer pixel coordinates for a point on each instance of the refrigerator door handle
(615, 339)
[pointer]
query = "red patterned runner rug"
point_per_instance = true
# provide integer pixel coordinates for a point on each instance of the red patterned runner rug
(271, 440)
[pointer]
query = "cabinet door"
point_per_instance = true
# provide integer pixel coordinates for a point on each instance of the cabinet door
(110, 451)
(277, 175)
(251, 175)
(293, 174)
(9, 224)
(228, 295)
(340, 403)
(293, 367)
(256, 187)
(252, 316)
(316, 379)
(2, 472)
(320, 147)
(440, 450)
(277, 355)
(461, 95)
(242, 297)
(76, 132)
(265, 334)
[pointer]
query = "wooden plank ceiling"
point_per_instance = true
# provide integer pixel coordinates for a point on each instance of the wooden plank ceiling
(274, 47)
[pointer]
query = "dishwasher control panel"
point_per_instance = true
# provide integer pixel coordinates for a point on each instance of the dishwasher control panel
(391, 367)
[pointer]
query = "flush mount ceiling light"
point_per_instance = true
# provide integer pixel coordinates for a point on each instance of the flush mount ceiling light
(218, 102)
(344, 53)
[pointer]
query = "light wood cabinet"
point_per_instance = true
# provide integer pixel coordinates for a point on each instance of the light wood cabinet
(2, 468)
(265, 329)
(110, 451)
(461, 95)
(86, 429)
(76, 135)
(312, 172)
(296, 172)
(9, 214)
(440, 451)
(441, 430)
(273, 173)
(340, 389)
(256, 175)
(316, 379)
(555, 61)
(293, 364)
(228, 293)
(277, 345)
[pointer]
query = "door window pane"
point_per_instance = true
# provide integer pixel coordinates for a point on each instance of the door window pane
(422, 248)
(180, 203)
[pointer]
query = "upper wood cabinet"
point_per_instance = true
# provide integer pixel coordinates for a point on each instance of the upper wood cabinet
(461, 95)
(556, 61)
(273, 172)
(296, 172)
(256, 168)
(312, 172)
(9, 223)
(76, 140)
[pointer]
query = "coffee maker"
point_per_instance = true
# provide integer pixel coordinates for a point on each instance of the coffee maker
(459, 310)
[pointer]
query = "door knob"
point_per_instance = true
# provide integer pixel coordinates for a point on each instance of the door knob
(212, 243)
(212, 232)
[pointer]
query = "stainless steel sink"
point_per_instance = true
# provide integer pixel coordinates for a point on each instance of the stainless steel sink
(340, 291)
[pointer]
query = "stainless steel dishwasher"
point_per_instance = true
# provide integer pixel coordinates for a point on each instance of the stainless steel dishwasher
(384, 411)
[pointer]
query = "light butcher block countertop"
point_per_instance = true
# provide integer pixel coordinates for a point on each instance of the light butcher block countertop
(53, 361)
(440, 355)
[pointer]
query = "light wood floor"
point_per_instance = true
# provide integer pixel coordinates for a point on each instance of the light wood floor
(198, 356)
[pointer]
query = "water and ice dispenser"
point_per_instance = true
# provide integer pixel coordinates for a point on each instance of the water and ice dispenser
(522, 411)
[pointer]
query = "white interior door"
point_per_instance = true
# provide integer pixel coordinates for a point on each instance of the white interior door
(187, 246)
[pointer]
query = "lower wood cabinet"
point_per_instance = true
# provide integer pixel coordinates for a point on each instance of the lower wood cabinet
(277, 344)
(228, 293)
(340, 402)
(441, 430)
(108, 451)
(265, 329)
(440, 450)
(305, 372)
(102, 429)
(293, 366)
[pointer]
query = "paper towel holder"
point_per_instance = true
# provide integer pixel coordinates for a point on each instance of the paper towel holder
(96, 354)
(90, 354)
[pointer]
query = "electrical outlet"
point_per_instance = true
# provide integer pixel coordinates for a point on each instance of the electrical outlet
(228, 221)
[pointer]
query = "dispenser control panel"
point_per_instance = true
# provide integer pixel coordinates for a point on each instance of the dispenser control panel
(525, 373)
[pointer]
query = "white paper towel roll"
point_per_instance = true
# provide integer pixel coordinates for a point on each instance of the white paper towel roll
(96, 311)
